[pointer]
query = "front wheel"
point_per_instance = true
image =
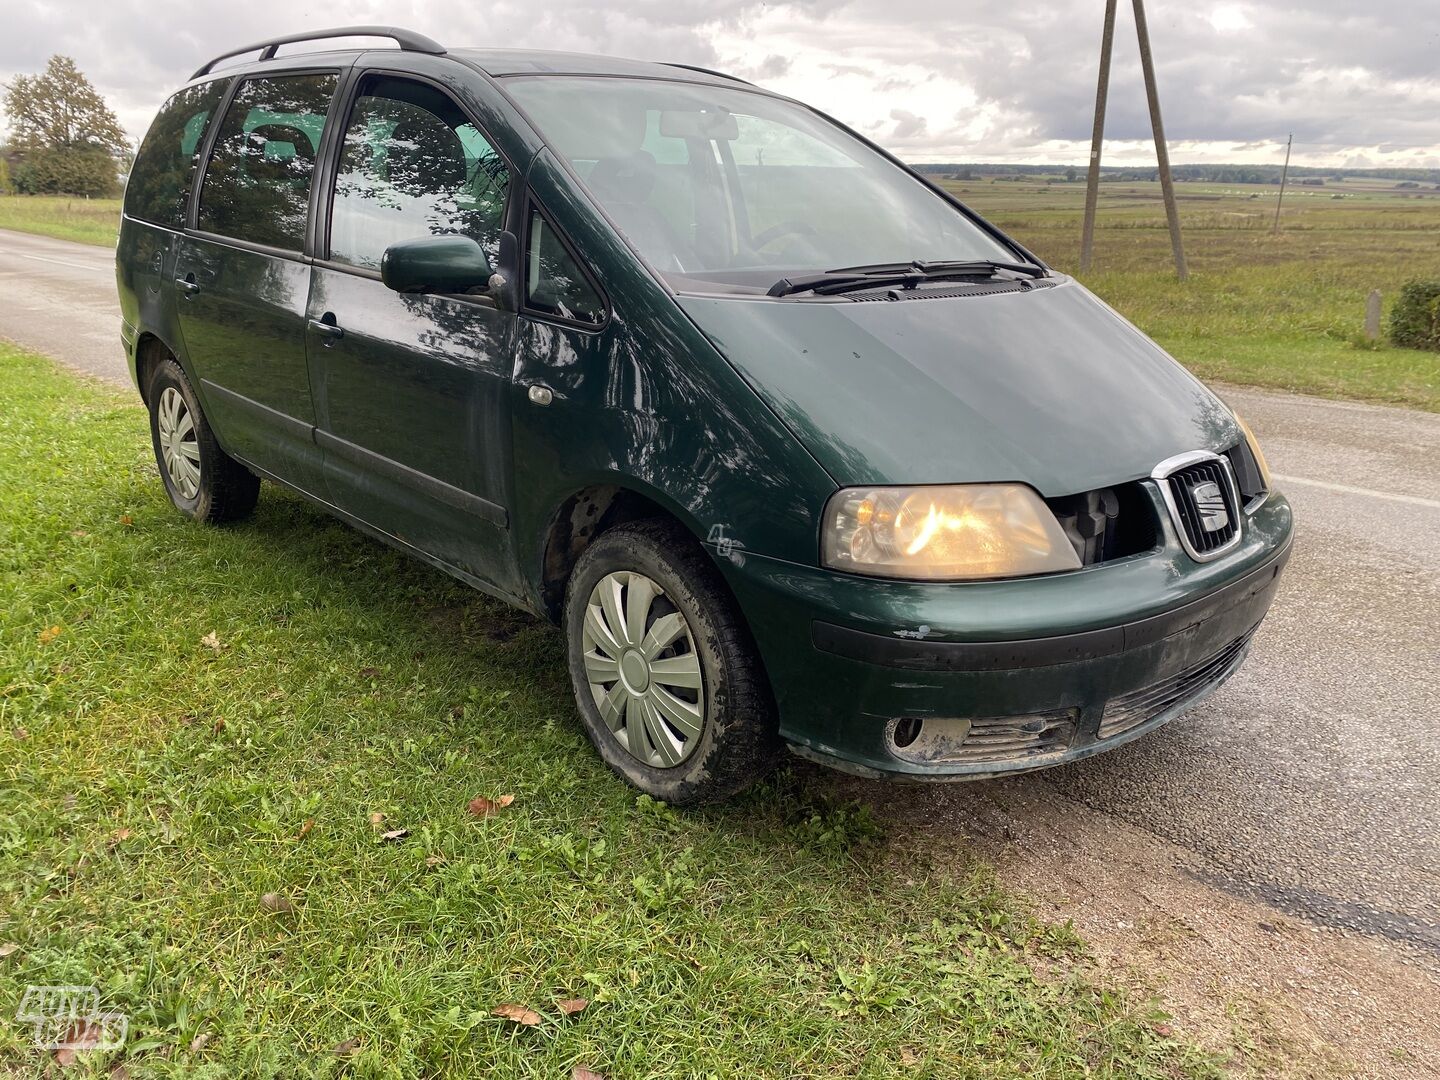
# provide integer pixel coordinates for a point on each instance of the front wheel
(203, 481)
(666, 677)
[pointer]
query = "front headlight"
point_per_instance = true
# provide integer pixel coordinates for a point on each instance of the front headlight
(944, 532)
(1266, 483)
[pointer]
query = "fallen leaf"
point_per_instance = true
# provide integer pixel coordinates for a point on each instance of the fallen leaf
(81, 1035)
(458, 712)
(49, 634)
(20, 734)
(432, 861)
(394, 834)
(908, 1058)
(375, 819)
(78, 533)
(198, 1043)
(126, 519)
(580, 1072)
(305, 829)
(120, 1072)
(369, 672)
(519, 1014)
(571, 1006)
(119, 836)
(212, 641)
(8, 948)
(273, 901)
(346, 1049)
(480, 806)
(1164, 1030)
(219, 725)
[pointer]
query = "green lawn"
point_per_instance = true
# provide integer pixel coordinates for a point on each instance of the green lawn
(67, 217)
(209, 735)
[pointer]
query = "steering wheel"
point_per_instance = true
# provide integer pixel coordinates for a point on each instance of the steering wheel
(781, 230)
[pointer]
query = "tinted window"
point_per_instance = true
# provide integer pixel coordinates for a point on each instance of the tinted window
(554, 282)
(412, 165)
(161, 177)
(257, 185)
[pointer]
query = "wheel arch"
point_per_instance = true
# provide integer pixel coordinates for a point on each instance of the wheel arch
(150, 352)
(580, 519)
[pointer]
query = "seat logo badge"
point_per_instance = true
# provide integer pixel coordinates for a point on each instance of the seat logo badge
(1211, 505)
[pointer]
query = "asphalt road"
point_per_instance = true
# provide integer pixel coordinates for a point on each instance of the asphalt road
(1309, 780)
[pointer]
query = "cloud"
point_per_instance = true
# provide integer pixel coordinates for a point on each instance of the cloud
(935, 80)
(907, 125)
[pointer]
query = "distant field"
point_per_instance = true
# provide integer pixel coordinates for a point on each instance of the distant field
(87, 221)
(1285, 312)
(1281, 311)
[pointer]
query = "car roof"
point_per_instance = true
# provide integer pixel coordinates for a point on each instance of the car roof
(502, 62)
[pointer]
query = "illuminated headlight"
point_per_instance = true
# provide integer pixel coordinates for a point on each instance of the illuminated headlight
(944, 532)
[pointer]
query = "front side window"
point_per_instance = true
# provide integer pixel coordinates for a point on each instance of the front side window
(728, 186)
(554, 283)
(413, 165)
(160, 179)
(257, 185)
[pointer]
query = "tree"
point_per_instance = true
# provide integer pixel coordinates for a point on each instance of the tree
(6, 187)
(67, 137)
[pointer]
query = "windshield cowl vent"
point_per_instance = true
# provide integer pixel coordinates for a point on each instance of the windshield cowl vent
(953, 292)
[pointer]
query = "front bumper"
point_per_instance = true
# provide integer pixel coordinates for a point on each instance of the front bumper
(957, 681)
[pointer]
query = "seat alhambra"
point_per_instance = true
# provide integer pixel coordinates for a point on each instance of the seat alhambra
(796, 449)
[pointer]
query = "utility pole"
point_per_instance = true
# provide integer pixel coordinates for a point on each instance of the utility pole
(1097, 136)
(1167, 185)
(1284, 172)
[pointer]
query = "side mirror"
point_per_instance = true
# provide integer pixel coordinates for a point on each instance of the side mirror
(435, 264)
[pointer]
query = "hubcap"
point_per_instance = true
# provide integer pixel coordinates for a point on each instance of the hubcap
(643, 670)
(178, 447)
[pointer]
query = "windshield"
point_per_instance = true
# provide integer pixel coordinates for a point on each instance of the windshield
(731, 188)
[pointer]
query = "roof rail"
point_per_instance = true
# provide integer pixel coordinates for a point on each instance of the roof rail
(708, 71)
(408, 40)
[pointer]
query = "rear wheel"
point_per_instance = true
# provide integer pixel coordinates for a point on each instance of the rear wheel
(666, 677)
(203, 481)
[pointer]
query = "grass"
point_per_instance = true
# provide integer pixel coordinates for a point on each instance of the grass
(198, 825)
(66, 217)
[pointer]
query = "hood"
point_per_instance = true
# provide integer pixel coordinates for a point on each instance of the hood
(1048, 386)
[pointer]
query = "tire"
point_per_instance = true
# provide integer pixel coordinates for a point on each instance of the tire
(203, 481)
(734, 742)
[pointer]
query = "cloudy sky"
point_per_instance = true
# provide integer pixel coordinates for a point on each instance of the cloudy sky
(933, 80)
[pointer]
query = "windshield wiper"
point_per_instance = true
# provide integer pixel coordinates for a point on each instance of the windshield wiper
(888, 275)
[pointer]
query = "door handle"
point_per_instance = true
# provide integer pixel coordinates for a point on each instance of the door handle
(327, 328)
(188, 285)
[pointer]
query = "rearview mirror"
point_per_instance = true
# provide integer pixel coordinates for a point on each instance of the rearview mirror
(435, 264)
(711, 124)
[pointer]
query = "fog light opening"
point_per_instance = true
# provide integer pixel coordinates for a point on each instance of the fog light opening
(907, 730)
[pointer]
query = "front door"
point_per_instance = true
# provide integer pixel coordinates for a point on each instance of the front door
(410, 389)
(242, 281)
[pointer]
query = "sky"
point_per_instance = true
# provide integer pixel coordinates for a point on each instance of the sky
(932, 80)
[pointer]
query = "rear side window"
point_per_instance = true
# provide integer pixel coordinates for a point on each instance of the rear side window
(554, 283)
(165, 167)
(257, 185)
(413, 165)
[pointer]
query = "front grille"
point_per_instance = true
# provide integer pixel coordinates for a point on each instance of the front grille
(1202, 500)
(1129, 711)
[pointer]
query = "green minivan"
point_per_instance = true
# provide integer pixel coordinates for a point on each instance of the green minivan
(797, 450)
